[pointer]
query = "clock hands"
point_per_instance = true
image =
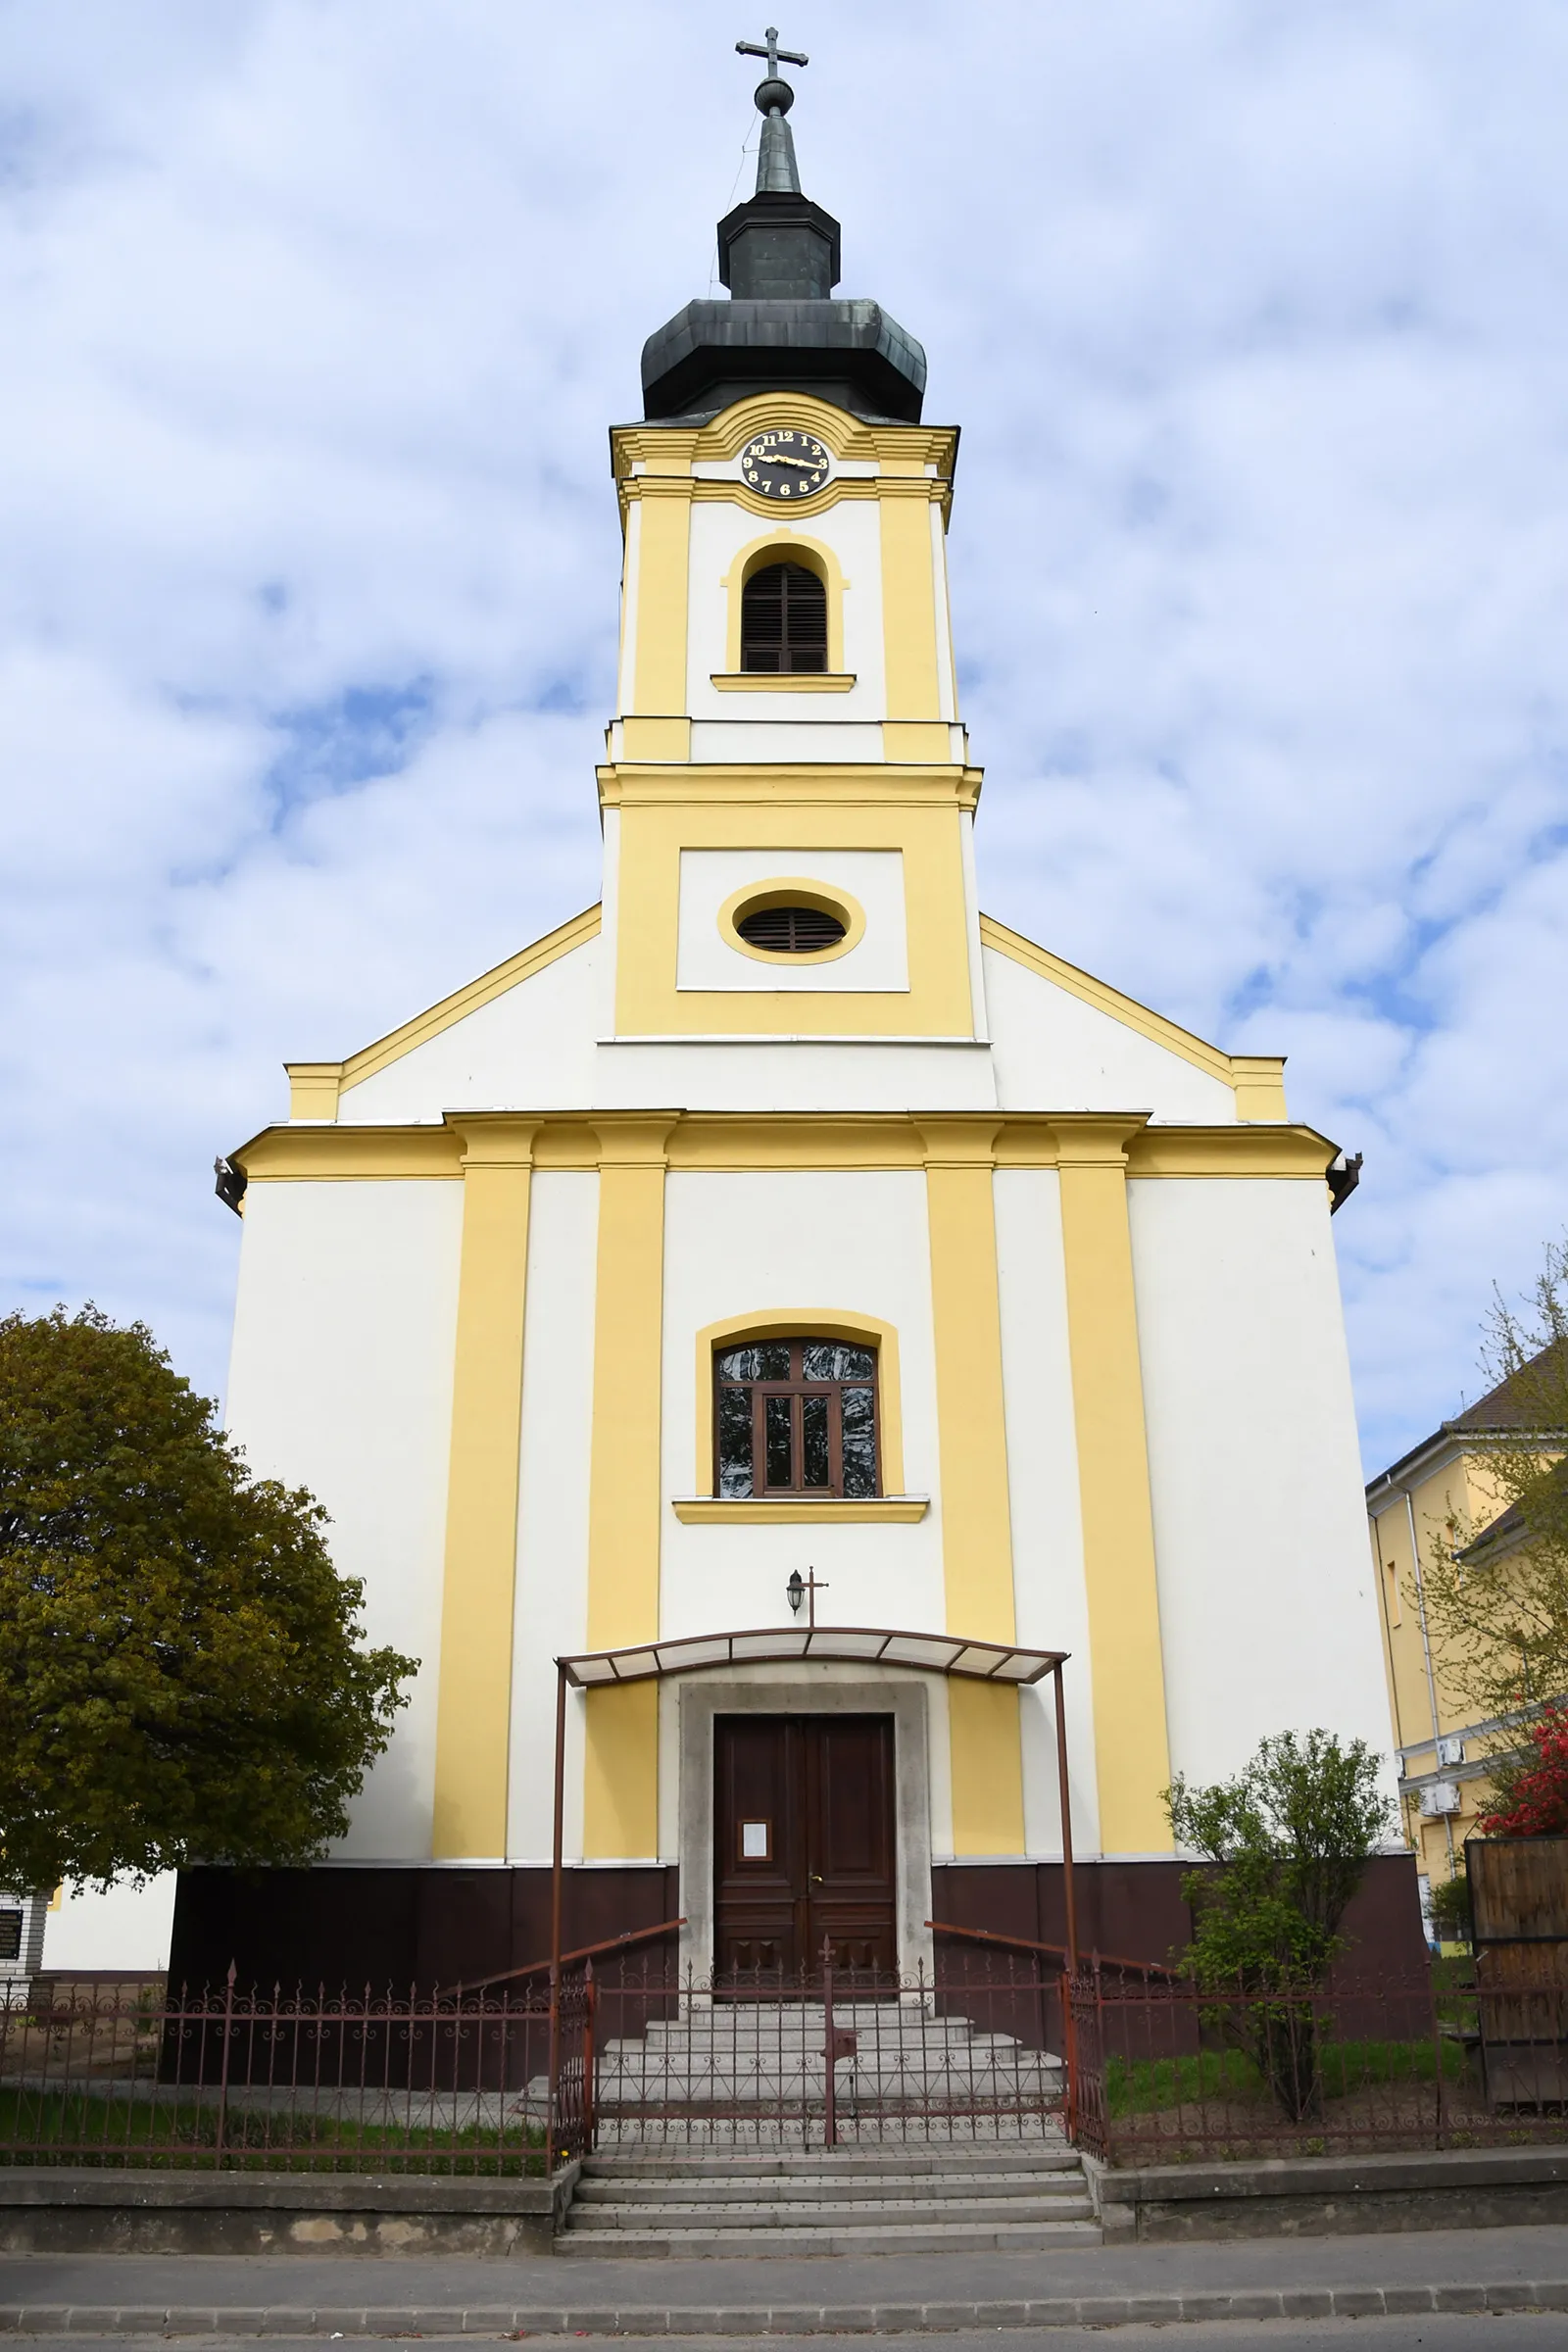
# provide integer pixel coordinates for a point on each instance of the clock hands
(771, 457)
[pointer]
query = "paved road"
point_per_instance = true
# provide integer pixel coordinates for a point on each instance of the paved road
(1508, 2331)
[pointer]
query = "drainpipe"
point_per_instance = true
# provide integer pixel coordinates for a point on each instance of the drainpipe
(1426, 1652)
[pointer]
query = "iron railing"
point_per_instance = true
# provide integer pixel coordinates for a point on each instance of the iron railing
(967, 2047)
(520, 2074)
(1167, 2069)
(129, 2071)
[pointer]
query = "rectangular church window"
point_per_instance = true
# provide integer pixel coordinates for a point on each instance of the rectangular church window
(795, 1417)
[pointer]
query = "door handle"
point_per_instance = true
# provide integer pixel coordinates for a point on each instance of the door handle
(816, 1877)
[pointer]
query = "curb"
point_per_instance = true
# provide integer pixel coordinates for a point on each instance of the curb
(808, 2318)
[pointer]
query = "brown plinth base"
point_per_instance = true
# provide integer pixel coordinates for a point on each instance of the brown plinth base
(338, 1925)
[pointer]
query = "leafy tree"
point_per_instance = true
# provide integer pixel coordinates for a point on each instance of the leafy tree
(182, 1675)
(1290, 1834)
(1497, 1602)
(1531, 1798)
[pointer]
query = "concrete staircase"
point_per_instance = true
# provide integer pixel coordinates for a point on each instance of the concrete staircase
(710, 2129)
(763, 2064)
(863, 2200)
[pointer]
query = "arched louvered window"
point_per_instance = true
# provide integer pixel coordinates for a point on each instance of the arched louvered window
(784, 619)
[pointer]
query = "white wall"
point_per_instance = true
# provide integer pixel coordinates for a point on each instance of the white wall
(529, 1049)
(552, 1586)
(1268, 1616)
(121, 1927)
(1047, 1543)
(853, 529)
(806, 1243)
(341, 1381)
(1055, 1052)
(785, 1073)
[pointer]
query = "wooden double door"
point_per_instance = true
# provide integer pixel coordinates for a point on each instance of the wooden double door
(804, 1846)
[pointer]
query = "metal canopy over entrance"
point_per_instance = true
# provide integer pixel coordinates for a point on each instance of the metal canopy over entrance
(860, 1645)
(850, 1645)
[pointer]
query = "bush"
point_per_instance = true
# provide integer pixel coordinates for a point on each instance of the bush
(1451, 1909)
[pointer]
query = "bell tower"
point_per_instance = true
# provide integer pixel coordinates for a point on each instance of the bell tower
(787, 793)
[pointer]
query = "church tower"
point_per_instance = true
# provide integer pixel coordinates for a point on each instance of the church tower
(785, 1231)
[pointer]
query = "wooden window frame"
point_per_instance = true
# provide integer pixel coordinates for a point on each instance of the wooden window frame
(796, 1388)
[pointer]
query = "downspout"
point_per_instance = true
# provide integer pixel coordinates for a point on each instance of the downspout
(1426, 1652)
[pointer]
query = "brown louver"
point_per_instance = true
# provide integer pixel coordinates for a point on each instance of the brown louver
(784, 619)
(791, 930)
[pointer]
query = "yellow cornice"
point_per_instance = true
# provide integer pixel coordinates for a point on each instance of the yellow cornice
(714, 1142)
(627, 783)
(1240, 1150)
(351, 1155)
(901, 452)
(905, 448)
(316, 1087)
(1257, 1078)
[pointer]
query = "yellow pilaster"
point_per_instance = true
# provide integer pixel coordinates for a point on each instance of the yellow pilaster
(972, 1453)
(908, 602)
(475, 1692)
(1131, 1754)
(664, 567)
(620, 1792)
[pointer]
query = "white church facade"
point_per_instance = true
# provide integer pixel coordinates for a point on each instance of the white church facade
(784, 1215)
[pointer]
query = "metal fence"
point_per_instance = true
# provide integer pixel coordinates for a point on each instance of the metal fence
(129, 2071)
(966, 2048)
(1166, 2071)
(503, 2078)
(632, 2049)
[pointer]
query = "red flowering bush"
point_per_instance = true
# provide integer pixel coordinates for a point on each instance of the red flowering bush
(1534, 1800)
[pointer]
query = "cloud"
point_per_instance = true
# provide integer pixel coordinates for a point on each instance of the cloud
(309, 554)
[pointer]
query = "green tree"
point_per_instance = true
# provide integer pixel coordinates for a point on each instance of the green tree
(182, 1675)
(1291, 1836)
(1497, 1600)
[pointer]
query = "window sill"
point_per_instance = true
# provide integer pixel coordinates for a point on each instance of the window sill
(782, 682)
(794, 1510)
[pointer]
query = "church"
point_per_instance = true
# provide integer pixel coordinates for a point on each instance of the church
(882, 1380)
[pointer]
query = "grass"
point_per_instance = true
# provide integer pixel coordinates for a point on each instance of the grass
(1143, 2085)
(60, 2127)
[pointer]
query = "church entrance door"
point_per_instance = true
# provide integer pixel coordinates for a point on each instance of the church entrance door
(803, 1842)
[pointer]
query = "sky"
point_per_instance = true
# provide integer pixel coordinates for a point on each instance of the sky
(1254, 321)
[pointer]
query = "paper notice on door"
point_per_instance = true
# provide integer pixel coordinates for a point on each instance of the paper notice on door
(756, 1840)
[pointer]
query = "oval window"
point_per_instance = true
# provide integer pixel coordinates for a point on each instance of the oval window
(791, 930)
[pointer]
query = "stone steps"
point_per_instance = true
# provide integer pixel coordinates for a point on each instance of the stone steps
(868, 2202)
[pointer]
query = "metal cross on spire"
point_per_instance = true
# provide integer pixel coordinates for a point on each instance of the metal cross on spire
(772, 52)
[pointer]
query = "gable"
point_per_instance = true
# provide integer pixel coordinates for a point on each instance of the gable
(1062, 1040)
(520, 1034)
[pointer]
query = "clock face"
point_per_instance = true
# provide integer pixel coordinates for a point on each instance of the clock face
(784, 464)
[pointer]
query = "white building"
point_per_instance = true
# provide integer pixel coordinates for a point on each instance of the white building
(784, 1212)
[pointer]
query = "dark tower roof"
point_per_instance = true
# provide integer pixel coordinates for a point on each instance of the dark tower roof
(778, 254)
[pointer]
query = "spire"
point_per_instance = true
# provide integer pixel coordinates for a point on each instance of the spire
(779, 246)
(778, 256)
(776, 170)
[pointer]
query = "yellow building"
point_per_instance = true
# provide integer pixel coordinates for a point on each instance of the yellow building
(1441, 1494)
